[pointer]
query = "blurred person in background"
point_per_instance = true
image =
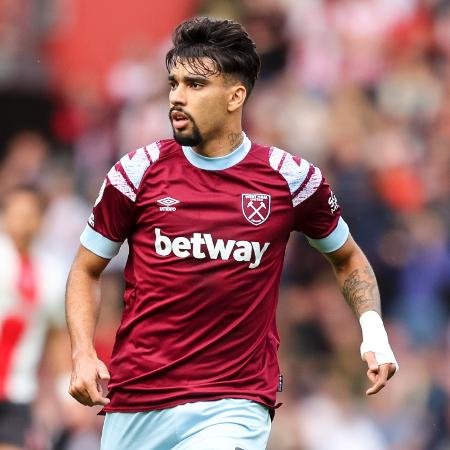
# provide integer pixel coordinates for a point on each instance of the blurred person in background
(181, 356)
(26, 159)
(31, 312)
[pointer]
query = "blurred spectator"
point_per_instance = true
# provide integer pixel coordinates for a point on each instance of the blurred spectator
(424, 277)
(32, 293)
(138, 75)
(265, 22)
(23, 27)
(25, 161)
(328, 419)
(65, 216)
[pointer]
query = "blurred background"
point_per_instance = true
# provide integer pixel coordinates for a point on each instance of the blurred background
(360, 88)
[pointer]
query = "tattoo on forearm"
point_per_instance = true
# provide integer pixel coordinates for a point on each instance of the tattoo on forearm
(235, 139)
(360, 289)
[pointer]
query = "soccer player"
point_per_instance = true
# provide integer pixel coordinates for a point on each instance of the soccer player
(31, 312)
(207, 216)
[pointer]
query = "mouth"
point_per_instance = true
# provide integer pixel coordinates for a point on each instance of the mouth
(179, 120)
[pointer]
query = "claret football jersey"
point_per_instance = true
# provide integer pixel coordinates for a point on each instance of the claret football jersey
(206, 239)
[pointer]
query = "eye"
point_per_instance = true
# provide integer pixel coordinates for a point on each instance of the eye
(195, 85)
(172, 85)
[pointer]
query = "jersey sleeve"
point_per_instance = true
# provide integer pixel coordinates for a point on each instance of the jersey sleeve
(317, 213)
(114, 212)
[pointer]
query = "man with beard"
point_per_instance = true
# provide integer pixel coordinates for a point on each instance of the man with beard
(207, 216)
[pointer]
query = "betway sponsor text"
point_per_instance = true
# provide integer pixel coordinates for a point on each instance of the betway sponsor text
(202, 245)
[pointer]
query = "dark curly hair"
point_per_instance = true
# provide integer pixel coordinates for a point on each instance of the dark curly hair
(224, 42)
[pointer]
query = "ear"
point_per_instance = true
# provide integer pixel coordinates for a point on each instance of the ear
(237, 97)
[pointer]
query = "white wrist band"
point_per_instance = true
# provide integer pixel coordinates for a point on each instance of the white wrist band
(375, 338)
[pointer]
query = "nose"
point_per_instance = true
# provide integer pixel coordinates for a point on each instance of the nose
(177, 96)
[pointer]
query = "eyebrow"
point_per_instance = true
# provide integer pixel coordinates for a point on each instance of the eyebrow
(190, 78)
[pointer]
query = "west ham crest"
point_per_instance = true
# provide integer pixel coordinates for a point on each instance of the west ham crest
(256, 208)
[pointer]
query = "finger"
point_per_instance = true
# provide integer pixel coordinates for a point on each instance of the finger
(104, 375)
(95, 395)
(102, 401)
(371, 361)
(102, 381)
(392, 370)
(84, 399)
(102, 390)
(380, 381)
(80, 395)
(102, 371)
(372, 376)
(87, 393)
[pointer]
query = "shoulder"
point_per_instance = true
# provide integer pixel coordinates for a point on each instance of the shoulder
(136, 163)
(279, 160)
(9, 258)
(52, 274)
(301, 177)
(5, 243)
(127, 174)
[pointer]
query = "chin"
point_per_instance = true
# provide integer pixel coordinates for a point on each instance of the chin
(185, 138)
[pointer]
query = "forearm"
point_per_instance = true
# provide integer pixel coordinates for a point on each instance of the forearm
(359, 286)
(82, 307)
(357, 282)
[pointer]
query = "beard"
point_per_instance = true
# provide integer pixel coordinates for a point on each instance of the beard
(192, 139)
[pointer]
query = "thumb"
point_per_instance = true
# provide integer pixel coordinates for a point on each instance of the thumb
(103, 372)
(371, 361)
(104, 375)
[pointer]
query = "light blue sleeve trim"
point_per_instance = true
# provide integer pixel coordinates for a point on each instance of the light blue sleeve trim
(335, 240)
(98, 244)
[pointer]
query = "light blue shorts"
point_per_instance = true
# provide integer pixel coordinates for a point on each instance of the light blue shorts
(226, 424)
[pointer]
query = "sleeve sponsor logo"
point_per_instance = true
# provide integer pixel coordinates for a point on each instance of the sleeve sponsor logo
(332, 201)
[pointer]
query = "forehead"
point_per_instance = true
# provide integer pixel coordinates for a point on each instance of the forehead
(195, 67)
(22, 200)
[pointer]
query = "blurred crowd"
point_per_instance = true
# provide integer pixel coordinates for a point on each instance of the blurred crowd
(360, 88)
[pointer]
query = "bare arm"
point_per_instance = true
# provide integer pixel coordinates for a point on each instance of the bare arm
(360, 289)
(355, 278)
(82, 307)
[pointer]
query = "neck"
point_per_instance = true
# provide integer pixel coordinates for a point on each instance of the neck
(221, 145)
(22, 249)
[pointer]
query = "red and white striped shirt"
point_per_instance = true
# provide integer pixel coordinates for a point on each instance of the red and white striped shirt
(31, 300)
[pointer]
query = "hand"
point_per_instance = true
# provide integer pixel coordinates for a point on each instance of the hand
(378, 374)
(85, 385)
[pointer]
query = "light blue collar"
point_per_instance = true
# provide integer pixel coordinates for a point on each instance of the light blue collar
(220, 162)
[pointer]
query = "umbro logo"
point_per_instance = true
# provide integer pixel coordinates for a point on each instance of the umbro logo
(168, 204)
